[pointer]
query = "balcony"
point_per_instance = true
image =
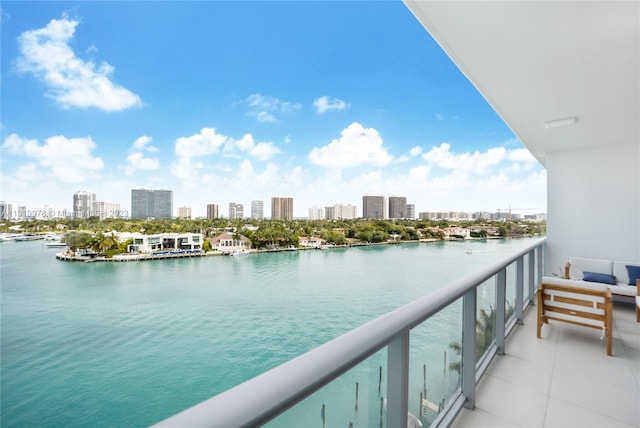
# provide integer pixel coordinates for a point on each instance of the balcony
(534, 62)
(565, 379)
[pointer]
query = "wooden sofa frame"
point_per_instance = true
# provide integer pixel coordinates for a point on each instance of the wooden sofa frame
(576, 305)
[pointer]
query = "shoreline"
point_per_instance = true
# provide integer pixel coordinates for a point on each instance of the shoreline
(181, 254)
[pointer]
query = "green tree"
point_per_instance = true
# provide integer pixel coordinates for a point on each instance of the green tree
(77, 240)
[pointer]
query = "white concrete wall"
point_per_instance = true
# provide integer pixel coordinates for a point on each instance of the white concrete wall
(593, 204)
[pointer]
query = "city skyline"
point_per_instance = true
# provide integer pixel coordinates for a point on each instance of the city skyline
(150, 200)
(247, 108)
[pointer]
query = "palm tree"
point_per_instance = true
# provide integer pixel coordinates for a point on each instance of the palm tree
(101, 242)
(485, 332)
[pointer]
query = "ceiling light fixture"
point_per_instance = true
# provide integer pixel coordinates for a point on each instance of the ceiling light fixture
(558, 123)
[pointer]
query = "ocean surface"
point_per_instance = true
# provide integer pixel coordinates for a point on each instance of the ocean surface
(130, 344)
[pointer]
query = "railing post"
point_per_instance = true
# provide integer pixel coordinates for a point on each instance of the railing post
(519, 289)
(398, 381)
(532, 276)
(539, 250)
(501, 299)
(469, 348)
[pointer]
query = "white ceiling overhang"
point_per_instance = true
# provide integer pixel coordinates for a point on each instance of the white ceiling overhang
(540, 61)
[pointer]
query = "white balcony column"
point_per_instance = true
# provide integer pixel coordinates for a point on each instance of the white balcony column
(469, 348)
(398, 381)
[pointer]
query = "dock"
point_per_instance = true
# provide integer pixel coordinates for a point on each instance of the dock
(134, 257)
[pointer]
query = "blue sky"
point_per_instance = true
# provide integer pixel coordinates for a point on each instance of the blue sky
(238, 101)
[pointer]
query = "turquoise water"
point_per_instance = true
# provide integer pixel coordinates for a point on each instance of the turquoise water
(129, 344)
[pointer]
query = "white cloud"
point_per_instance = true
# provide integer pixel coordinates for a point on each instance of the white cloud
(415, 151)
(192, 150)
(439, 117)
(27, 172)
(137, 160)
(475, 162)
(265, 107)
(72, 82)
(513, 160)
(248, 178)
(207, 142)
(142, 144)
(419, 173)
(326, 103)
(187, 170)
(357, 146)
(265, 117)
(261, 151)
(68, 160)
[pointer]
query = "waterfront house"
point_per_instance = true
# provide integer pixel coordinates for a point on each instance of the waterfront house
(311, 241)
(453, 232)
(229, 242)
(162, 241)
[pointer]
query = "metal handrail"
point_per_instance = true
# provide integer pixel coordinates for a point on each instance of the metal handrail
(262, 398)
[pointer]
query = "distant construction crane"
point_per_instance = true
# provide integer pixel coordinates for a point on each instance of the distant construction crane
(515, 209)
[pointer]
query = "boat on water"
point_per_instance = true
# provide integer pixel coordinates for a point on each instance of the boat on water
(8, 237)
(54, 241)
(28, 237)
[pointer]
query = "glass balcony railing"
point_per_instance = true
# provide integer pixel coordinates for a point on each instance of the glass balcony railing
(395, 367)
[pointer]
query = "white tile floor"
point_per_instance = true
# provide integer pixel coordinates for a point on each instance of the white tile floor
(564, 379)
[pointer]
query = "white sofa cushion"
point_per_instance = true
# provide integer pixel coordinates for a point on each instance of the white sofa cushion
(579, 265)
(621, 273)
(623, 290)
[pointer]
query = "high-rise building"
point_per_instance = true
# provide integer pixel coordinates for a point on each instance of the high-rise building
(212, 211)
(345, 211)
(281, 208)
(373, 207)
(151, 203)
(6, 211)
(184, 213)
(329, 213)
(411, 211)
(397, 207)
(104, 209)
(257, 210)
(83, 204)
(317, 213)
(236, 211)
